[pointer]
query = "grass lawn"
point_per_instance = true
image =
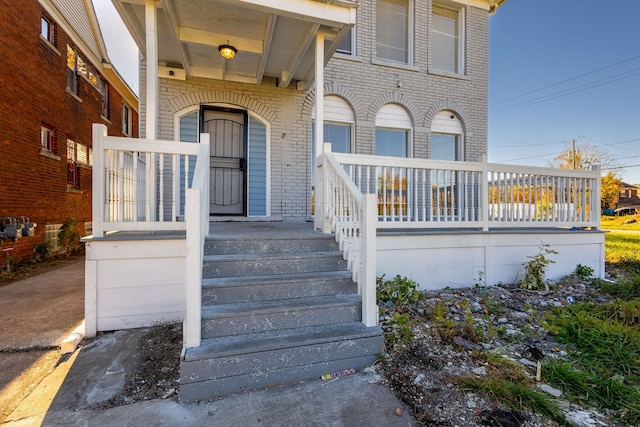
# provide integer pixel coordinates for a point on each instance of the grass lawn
(622, 247)
(618, 222)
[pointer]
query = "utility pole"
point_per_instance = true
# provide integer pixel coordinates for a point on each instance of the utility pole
(573, 148)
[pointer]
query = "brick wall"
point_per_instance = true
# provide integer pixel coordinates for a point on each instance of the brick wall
(33, 80)
(366, 86)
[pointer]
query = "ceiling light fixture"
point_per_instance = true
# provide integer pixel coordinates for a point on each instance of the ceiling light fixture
(227, 51)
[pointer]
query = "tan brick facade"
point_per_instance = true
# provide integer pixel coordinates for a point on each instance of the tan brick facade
(366, 85)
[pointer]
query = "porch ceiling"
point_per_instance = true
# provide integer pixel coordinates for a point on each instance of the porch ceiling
(273, 38)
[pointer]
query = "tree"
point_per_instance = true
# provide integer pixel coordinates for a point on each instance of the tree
(609, 189)
(582, 157)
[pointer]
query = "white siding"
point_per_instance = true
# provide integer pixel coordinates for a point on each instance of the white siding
(446, 122)
(437, 260)
(257, 170)
(336, 109)
(134, 283)
(393, 116)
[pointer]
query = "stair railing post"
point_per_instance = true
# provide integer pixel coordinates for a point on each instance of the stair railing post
(194, 268)
(327, 193)
(368, 260)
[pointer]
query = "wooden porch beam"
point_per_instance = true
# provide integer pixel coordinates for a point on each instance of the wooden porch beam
(303, 45)
(175, 30)
(306, 10)
(268, 37)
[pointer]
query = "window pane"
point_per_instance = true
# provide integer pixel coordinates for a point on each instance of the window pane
(347, 44)
(444, 146)
(339, 136)
(45, 28)
(71, 151)
(392, 27)
(392, 142)
(444, 39)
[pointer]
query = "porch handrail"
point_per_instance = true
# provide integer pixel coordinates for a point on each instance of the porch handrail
(351, 215)
(139, 184)
(196, 218)
(425, 193)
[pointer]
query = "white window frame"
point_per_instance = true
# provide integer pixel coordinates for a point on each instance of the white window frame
(447, 122)
(47, 138)
(409, 37)
(49, 32)
(352, 48)
(460, 45)
(389, 124)
(72, 71)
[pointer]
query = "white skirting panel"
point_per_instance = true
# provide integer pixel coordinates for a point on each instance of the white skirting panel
(133, 283)
(436, 261)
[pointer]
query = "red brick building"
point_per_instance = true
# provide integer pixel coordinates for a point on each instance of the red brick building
(55, 81)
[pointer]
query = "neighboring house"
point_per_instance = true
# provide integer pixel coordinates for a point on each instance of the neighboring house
(56, 81)
(627, 197)
(208, 219)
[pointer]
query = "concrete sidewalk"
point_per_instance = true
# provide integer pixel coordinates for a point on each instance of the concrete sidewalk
(63, 390)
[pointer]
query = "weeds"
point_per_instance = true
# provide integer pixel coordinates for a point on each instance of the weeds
(399, 291)
(583, 271)
(506, 383)
(399, 330)
(625, 289)
(536, 268)
(604, 342)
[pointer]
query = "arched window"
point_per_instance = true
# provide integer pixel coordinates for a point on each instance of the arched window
(393, 131)
(446, 137)
(338, 124)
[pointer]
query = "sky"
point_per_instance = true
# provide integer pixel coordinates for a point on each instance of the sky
(562, 70)
(559, 70)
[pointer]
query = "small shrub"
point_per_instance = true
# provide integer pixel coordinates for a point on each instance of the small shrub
(583, 271)
(69, 236)
(399, 291)
(399, 330)
(41, 252)
(536, 269)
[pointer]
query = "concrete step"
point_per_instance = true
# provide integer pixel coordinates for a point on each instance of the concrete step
(272, 263)
(226, 290)
(273, 244)
(243, 318)
(232, 364)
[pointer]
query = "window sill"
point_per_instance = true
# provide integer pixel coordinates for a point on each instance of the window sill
(347, 57)
(449, 74)
(391, 64)
(73, 95)
(106, 119)
(74, 190)
(46, 153)
(50, 45)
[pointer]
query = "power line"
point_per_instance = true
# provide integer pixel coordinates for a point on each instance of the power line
(570, 91)
(567, 80)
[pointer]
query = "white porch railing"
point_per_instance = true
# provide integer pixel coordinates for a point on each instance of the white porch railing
(146, 185)
(351, 215)
(357, 194)
(420, 193)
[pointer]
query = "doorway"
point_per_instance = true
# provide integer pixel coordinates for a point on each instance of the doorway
(228, 135)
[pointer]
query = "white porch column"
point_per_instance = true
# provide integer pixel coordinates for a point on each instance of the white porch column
(319, 133)
(151, 23)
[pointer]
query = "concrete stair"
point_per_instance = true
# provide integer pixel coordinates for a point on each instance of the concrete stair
(277, 307)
